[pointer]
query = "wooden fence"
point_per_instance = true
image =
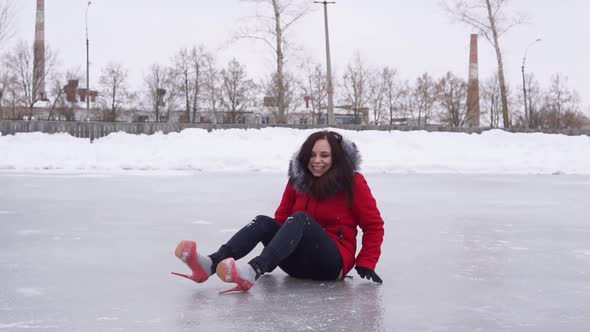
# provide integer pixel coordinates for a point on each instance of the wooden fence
(94, 130)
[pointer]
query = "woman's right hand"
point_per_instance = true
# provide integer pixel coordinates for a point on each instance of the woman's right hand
(368, 274)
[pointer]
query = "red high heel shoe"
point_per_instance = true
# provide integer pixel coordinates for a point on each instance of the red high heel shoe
(186, 251)
(228, 272)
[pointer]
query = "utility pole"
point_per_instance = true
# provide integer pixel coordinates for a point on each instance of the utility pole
(527, 116)
(328, 65)
(87, 61)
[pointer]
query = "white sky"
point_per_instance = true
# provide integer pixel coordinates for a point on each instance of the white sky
(412, 36)
(270, 149)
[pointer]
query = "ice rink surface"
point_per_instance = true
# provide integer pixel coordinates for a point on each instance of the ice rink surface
(82, 252)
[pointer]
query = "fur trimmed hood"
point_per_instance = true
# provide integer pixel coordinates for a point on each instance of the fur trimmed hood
(297, 172)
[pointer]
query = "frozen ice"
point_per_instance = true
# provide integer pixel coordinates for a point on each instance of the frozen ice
(461, 253)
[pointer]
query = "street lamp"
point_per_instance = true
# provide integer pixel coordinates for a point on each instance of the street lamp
(527, 117)
(328, 65)
(87, 61)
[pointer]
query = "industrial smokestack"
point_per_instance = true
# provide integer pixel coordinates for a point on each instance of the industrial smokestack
(39, 52)
(473, 86)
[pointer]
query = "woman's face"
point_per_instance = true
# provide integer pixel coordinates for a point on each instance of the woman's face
(321, 158)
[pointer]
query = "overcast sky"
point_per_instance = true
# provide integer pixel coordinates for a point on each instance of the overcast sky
(413, 36)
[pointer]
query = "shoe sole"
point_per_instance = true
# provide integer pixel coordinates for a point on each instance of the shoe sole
(224, 270)
(198, 274)
(180, 251)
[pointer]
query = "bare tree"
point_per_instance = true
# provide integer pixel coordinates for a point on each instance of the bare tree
(10, 102)
(451, 96)
(115, 92)
(189, 74)
(574, 119)
(172, 100)
(200, 58)
(377, 94)
(6, 79)
(158, 83)
(406, 102)
(60, 107)
(559, 101)
(492, 19)
(182, 74)
(356, 87)
(270, 25)
(534, 99)
(22, 64)
(290, 92)
(237, 91)
(57, 94)
(490, 101)
(8, 89)
(394, 94)
(314, 87)
(425, 96)
(163, 92)
(212, 83)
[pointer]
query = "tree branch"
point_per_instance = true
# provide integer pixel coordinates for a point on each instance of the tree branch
(256, 38)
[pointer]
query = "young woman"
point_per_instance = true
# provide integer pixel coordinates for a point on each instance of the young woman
(313, 233)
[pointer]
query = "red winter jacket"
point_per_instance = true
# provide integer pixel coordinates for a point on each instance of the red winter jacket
(341, 220)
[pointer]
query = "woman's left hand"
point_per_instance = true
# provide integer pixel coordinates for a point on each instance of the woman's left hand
(368, 274)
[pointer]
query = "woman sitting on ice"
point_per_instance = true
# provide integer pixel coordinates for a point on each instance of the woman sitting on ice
(313, 233)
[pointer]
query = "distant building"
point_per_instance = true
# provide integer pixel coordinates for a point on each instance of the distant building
(343, 115)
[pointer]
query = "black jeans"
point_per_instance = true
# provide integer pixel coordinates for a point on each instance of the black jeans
(300, 247)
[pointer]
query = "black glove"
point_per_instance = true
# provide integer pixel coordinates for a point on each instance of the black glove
(369, 274)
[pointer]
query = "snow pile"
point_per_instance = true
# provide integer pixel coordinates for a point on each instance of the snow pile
(269, 150)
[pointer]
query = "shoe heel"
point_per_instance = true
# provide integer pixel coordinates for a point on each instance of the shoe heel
(182, 275)
(238, 288)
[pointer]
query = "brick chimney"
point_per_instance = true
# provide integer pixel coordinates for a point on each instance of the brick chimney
(473, 86)
(39, 51)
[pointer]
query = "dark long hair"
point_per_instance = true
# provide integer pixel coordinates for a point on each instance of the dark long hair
(338, 178)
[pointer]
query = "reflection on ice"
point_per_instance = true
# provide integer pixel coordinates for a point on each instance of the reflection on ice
(296, 305)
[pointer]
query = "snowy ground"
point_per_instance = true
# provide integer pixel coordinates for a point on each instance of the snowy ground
(462, 253)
